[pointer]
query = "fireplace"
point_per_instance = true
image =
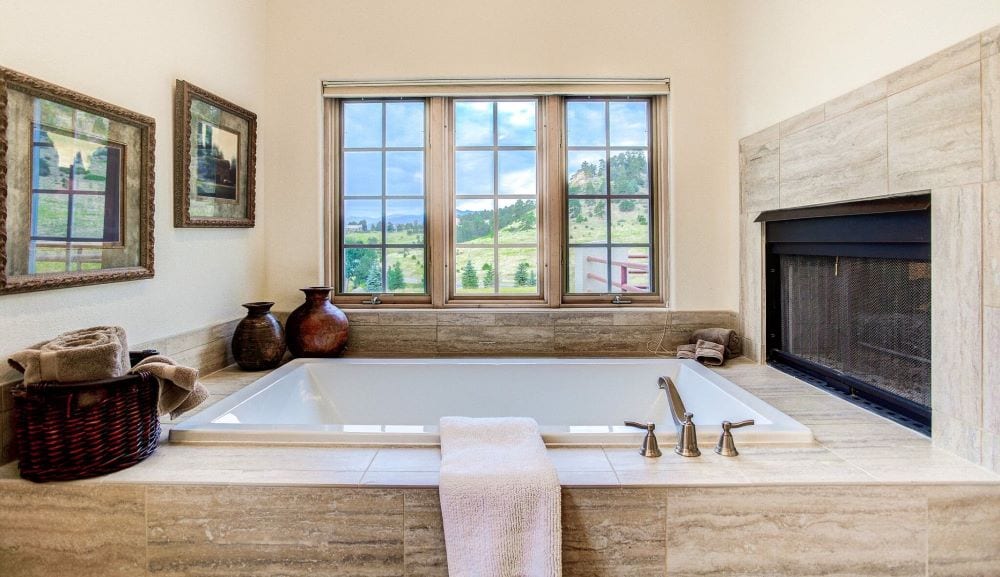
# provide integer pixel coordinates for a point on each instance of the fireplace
(848, 291)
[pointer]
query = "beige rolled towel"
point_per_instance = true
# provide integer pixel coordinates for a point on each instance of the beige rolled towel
(84, 355)
(180, 390)
(709, 353)
(686, 351)
(725, 337)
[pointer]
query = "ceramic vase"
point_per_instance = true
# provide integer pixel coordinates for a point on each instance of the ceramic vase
(317, 328)
(259, 341)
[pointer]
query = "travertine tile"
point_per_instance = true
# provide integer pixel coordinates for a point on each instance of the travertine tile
(871, 92)
(769, 464)
(991, 118)
(990, 42)
(579, 459)
(505, 318)
(423, 535)
(407, 459)
(672, 469)
(796, 531)
(402, 479)
(207, 358)
(764, 136)
(751, 284)
(958, 436)
(692, 319)
(576, 317)
(623, 340)
(654, 317)
(72, 529)
(991, 244)
(274, 531)
(192, 339)
(803, 120)
(358, 317)
(463, 338)
(759, 177)
(571, 479)
(991, 451)
(841, 159)
(882, 433)
(611, 532)
(962, 531)
(369, 339)
(956, 326)
(465, 318)
(935, 65)
(913, 465)
(991, 369)
(414, 317)
(935, 133)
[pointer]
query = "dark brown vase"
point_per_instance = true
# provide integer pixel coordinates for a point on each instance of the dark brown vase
(259, 341)
(317, 328)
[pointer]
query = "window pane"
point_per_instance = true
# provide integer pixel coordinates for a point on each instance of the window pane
(518, 221)
(51, 215)
(404, 173)
(473, 123)
(516, 125)
(362, 173)
(88, 216)
(630, 269)
(404, 222)
(362, 270)
(586, 172)
(362, 222)
(405, 270)
(588, 270)
(630, 173)
(608, 190)
(517, 172)
(475, 271)
(362, 124)
(474, 221)
(473, 172)
(588, 221)
(586, 123)
(629, 123)
(404, 124)
(629, 221)
(518, 270)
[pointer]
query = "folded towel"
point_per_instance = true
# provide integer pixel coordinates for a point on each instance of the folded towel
(686, 351)
(84, 355)
(180, 390)
(500, 499)
(710, 353)
(725, 337)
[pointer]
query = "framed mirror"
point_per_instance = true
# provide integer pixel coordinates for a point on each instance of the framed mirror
(76, 188)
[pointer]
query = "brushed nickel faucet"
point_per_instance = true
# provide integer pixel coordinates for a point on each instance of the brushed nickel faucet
(687, 435)
(649, 448)
(726, 447)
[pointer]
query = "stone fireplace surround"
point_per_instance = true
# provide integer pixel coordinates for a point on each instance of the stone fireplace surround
(931, 126)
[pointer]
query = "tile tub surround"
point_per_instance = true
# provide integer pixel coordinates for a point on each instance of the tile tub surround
(934, 125)
(873, 492)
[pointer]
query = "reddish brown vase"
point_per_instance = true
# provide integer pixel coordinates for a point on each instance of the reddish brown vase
(259, 341)
(317, 328)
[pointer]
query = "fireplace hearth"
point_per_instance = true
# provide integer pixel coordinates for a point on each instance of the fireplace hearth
(849, 301)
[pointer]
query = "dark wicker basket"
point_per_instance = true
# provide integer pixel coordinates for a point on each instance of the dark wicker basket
(77, 430)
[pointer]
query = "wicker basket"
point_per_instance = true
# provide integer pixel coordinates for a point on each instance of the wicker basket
(77, 430)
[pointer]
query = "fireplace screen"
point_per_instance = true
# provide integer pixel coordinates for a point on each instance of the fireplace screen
(866, 318)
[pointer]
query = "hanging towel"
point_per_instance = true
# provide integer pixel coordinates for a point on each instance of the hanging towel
(709, 353)
(725, 337)
(85, 355)
(180, 390)
(500, 499)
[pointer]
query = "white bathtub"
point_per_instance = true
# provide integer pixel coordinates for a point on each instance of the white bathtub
(399, 401)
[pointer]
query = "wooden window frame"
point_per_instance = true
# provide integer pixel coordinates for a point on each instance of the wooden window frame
(552, 211)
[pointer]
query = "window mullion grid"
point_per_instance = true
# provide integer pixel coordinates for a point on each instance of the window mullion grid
(385, 208)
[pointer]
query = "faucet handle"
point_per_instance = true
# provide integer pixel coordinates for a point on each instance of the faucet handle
(726, 446)
(649, 448)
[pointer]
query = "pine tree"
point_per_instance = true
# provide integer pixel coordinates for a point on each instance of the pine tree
(532, 279)
(521, 276)
(373, 283)
(487, 275)
(395, 277)
(470, 279)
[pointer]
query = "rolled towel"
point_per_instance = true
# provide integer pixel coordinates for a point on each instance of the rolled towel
(725, 337)
(85, 355)
(686, 351)
(710, 353)
(180, 390)
(500, 499)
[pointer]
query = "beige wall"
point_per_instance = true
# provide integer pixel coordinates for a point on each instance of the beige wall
(312, 40)
(129, 53)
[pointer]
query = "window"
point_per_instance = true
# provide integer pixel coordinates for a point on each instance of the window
(503, 199)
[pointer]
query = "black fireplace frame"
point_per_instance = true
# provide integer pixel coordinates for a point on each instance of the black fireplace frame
(897, 227)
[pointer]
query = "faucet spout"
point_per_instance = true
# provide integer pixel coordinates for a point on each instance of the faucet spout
(687, 437)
